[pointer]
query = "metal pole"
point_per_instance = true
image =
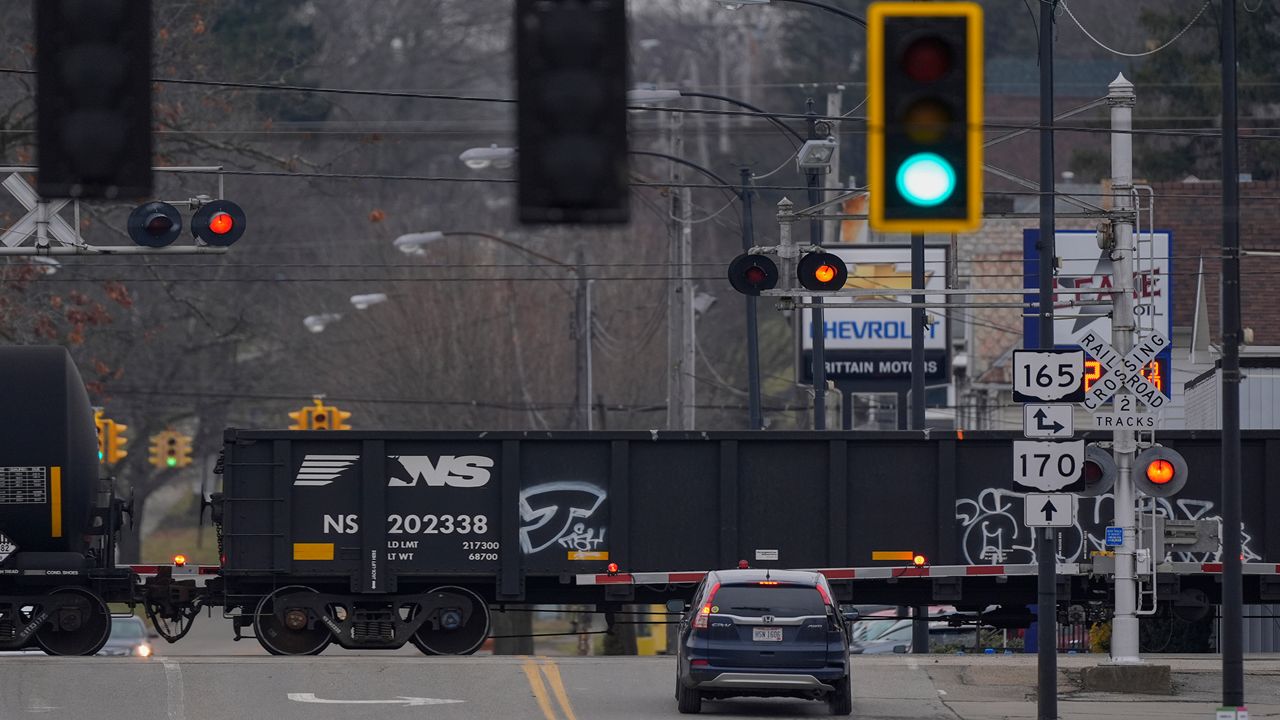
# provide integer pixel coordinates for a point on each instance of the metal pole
(917, 332)
(835, 107)
(1124, 628)
(756, 415)
(676, 301)
(1232, 590)
(582, 338)
(818, 327)
(1046, 552)
(688, 357)
(787, 253)
(587, 342)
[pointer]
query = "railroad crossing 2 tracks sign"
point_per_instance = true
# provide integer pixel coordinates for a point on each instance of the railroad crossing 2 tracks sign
(1123, 370)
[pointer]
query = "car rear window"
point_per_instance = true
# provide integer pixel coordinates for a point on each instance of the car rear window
(779, 600)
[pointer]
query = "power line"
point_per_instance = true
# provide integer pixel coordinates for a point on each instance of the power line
(1112, 50)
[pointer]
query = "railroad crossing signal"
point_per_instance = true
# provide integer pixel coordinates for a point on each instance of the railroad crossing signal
(93, 99)
(154, 224)
(111, 439)
(1124, 371)
(924, 118)
(822, 271)
(1159, 472)
(750, 274)
(219, 223)
(170, 449)
(320, 417)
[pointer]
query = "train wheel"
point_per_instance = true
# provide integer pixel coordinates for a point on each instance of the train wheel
(79, 630)
(455, 636)
(299, 634)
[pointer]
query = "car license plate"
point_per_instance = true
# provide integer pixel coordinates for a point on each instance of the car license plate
(766, 634)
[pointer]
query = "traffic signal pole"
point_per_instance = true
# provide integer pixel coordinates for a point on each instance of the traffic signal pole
(818, 329)
(756, 414)
(1046, 550)
(1124, 627)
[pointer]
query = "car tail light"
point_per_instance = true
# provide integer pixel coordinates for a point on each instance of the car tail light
(767, 582)
(699, 663)
(700, 620)
(825, 597)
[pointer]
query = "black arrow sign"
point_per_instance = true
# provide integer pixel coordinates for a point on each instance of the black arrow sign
(1048, 510)
(1040, 418)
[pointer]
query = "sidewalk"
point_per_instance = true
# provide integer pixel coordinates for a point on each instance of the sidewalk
(994, 687)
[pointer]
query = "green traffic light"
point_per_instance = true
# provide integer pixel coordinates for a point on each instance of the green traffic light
(171, 461)
(926, 179)
(100, 456)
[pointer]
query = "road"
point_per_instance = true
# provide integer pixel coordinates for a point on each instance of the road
(386, 687)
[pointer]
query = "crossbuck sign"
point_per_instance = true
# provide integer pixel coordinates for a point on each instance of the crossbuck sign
(26, 225)
(1123, 371)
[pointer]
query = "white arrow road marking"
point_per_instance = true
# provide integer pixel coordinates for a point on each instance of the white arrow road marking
(406, 701)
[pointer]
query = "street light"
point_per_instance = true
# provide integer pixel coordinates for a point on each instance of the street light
(367, 300)
(480, 158)
(317, 323)
(735, 4)
(816, 155)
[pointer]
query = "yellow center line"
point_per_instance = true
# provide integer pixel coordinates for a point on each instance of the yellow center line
(552, 671)
(530, 669)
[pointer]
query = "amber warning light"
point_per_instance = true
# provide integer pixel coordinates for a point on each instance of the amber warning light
(179, 560)
(918, 561)
(1160, 472)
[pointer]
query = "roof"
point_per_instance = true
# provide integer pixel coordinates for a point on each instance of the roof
(753, 575)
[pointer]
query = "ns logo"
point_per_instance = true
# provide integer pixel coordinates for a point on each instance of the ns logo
(459, 471)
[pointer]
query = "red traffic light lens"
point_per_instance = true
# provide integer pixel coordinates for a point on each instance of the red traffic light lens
(825, 273)
(221, 223)
(927, 59)
(1160, 471)
(612, 568)
(158, 225)
(756, 275)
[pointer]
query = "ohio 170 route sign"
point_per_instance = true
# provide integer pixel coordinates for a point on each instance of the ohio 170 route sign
(1046, 466)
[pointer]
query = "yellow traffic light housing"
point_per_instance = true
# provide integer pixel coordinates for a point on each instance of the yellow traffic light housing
(182, 450)
(320, 417)
(115, 442)
(924, 116)
(301, 419)
(339, 419)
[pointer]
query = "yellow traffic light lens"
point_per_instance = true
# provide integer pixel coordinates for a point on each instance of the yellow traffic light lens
(825, 273)
(1160, 471)
(926, 121)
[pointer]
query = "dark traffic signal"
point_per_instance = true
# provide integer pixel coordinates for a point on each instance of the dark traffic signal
(924, 124)
(752, 274)
(93, 98)
(571, 92)
(154, 224)
(822, 271)
(1098, 474)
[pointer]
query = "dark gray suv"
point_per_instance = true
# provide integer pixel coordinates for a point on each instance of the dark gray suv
(763, 633)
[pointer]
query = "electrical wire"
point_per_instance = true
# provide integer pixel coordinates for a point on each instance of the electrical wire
(1122, 53)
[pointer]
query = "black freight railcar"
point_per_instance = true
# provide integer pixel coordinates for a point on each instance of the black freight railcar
(57, 517)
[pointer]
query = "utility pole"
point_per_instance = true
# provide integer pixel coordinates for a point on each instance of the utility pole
(818, 328)
(1124, 628)
(835, 108)
(755, 414)
(582, 338)
(1232, 627)
(917, 332)
(1046, 548)
(680, 351)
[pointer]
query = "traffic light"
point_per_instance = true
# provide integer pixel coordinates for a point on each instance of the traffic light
(1098, 473)
(751, 274)
(320, 417)
(924, 117)
(114, 450)
(170, 449)
(93, 98)
(154, 224)
(101, 424)
(219, 223)
(301, 419)
(822, 271)
(571, 94)
(1159, 472)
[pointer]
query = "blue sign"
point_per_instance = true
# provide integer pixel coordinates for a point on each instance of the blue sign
(1115, 536)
